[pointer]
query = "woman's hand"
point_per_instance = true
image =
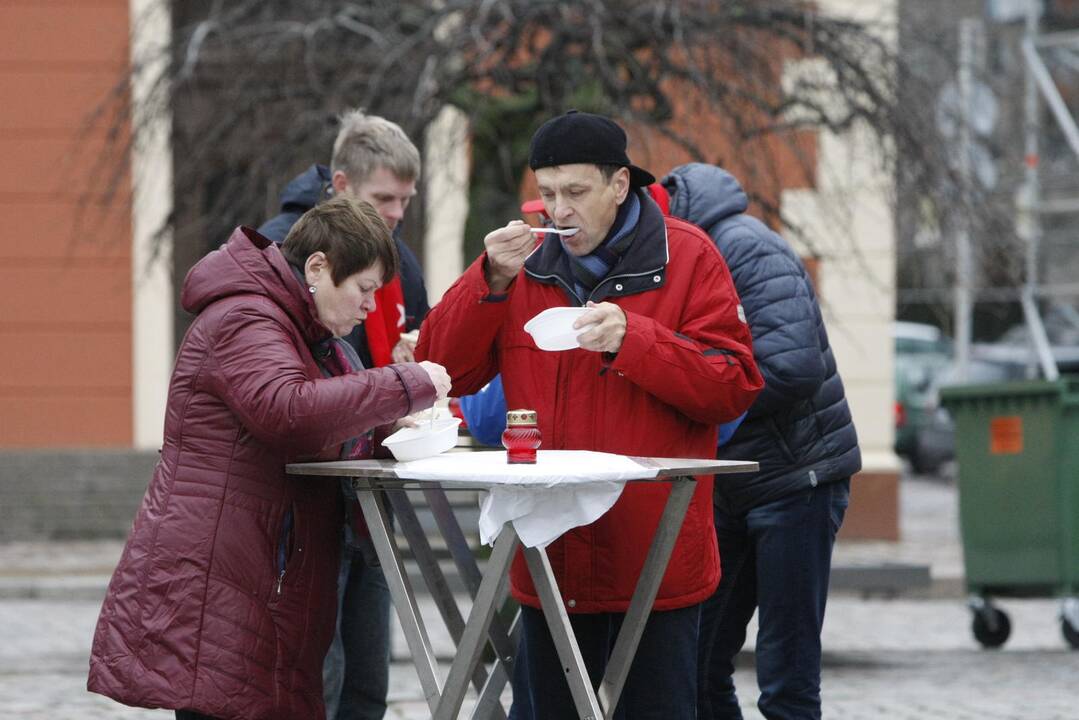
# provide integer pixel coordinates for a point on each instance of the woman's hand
(408, 421)
(418, 419)
(439, 377)
(405, 349)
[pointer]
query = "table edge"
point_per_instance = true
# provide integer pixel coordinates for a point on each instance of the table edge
(388, 469)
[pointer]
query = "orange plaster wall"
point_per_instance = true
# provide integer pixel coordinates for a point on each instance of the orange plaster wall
(65, 296)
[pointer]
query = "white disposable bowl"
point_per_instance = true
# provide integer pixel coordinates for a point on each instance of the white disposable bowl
(553, 329)
(423, 441)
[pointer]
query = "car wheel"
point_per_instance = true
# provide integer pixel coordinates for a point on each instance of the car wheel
(921, 465)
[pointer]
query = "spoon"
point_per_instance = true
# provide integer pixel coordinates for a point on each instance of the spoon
(566, 232)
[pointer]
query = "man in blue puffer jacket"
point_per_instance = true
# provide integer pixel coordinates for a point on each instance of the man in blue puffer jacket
(776, 527)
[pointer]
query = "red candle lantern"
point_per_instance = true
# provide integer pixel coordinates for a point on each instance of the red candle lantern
(521, 437)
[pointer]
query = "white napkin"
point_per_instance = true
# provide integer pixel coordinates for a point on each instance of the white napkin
(563, 490)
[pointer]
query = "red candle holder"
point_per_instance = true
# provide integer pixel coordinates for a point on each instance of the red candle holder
(521, 438)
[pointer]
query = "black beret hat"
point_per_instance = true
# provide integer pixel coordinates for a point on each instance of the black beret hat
(579, 137)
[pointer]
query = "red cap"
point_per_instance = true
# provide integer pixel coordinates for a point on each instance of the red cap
(533, 206)
(661, 196)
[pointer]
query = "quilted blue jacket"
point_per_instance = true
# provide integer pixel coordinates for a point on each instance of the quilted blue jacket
(799, 428)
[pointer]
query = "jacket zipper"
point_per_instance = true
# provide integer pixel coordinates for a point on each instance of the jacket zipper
(283, 548)
(560, 282)
(643, 273)
(613, 278)
(560, 391)
(581, 301)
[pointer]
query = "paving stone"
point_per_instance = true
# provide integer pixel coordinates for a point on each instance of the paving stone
(893, 660)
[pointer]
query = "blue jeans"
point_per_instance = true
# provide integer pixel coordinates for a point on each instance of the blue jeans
(776, 559)
(356, 672)
(662, 681)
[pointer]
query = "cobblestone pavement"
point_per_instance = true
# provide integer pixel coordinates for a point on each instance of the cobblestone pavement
(899, 659)
(894, 660)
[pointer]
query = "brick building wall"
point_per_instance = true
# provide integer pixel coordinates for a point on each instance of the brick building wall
(65, 295)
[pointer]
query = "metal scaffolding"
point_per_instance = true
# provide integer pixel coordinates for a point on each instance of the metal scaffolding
(1040, 87)
(1031, 206)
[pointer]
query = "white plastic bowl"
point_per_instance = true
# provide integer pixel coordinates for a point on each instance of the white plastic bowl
(552, 329)
(423, 441)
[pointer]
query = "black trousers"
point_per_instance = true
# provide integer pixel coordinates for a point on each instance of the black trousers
(662, 681)
(189, 715)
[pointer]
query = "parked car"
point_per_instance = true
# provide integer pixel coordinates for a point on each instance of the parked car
(1016, 345)
(989, 363)
(935, 439)
(925, 433)
(921, 353)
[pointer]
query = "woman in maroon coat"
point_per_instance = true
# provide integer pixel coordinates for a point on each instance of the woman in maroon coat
(223, 602)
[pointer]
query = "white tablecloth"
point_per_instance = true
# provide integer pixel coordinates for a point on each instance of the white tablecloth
(563, 490)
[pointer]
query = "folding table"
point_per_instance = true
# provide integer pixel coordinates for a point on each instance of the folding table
(483, 624)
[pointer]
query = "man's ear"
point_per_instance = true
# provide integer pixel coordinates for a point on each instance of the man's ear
(339, 181)
(620, 181)
(314, 267)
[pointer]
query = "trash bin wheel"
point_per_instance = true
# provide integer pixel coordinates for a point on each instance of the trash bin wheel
(1070, 632)
(991, 626)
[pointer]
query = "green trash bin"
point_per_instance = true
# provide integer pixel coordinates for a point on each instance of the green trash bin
(1017, 446)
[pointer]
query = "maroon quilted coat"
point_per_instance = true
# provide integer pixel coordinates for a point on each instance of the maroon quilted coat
(224, 598)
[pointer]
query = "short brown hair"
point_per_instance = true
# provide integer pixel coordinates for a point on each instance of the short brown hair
(367, 142)
(351, 234)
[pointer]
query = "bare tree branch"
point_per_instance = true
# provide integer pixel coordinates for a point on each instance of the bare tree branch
(254, 86)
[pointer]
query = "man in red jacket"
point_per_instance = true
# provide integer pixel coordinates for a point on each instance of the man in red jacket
(666, 358)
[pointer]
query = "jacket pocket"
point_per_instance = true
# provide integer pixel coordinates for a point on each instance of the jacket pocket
(837, 506)
(780, 440)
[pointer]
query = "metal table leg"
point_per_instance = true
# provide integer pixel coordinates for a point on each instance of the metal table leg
(490, 699)
(539, 566)
(474, 637)
(426, 560)
(434, 578)
(446, 704)
(644, 595)
(501, 637)
(419, 644)
(455, 539)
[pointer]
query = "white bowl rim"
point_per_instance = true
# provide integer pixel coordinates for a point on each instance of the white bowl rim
(553, 313)
(553, 330)
(422, 431)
